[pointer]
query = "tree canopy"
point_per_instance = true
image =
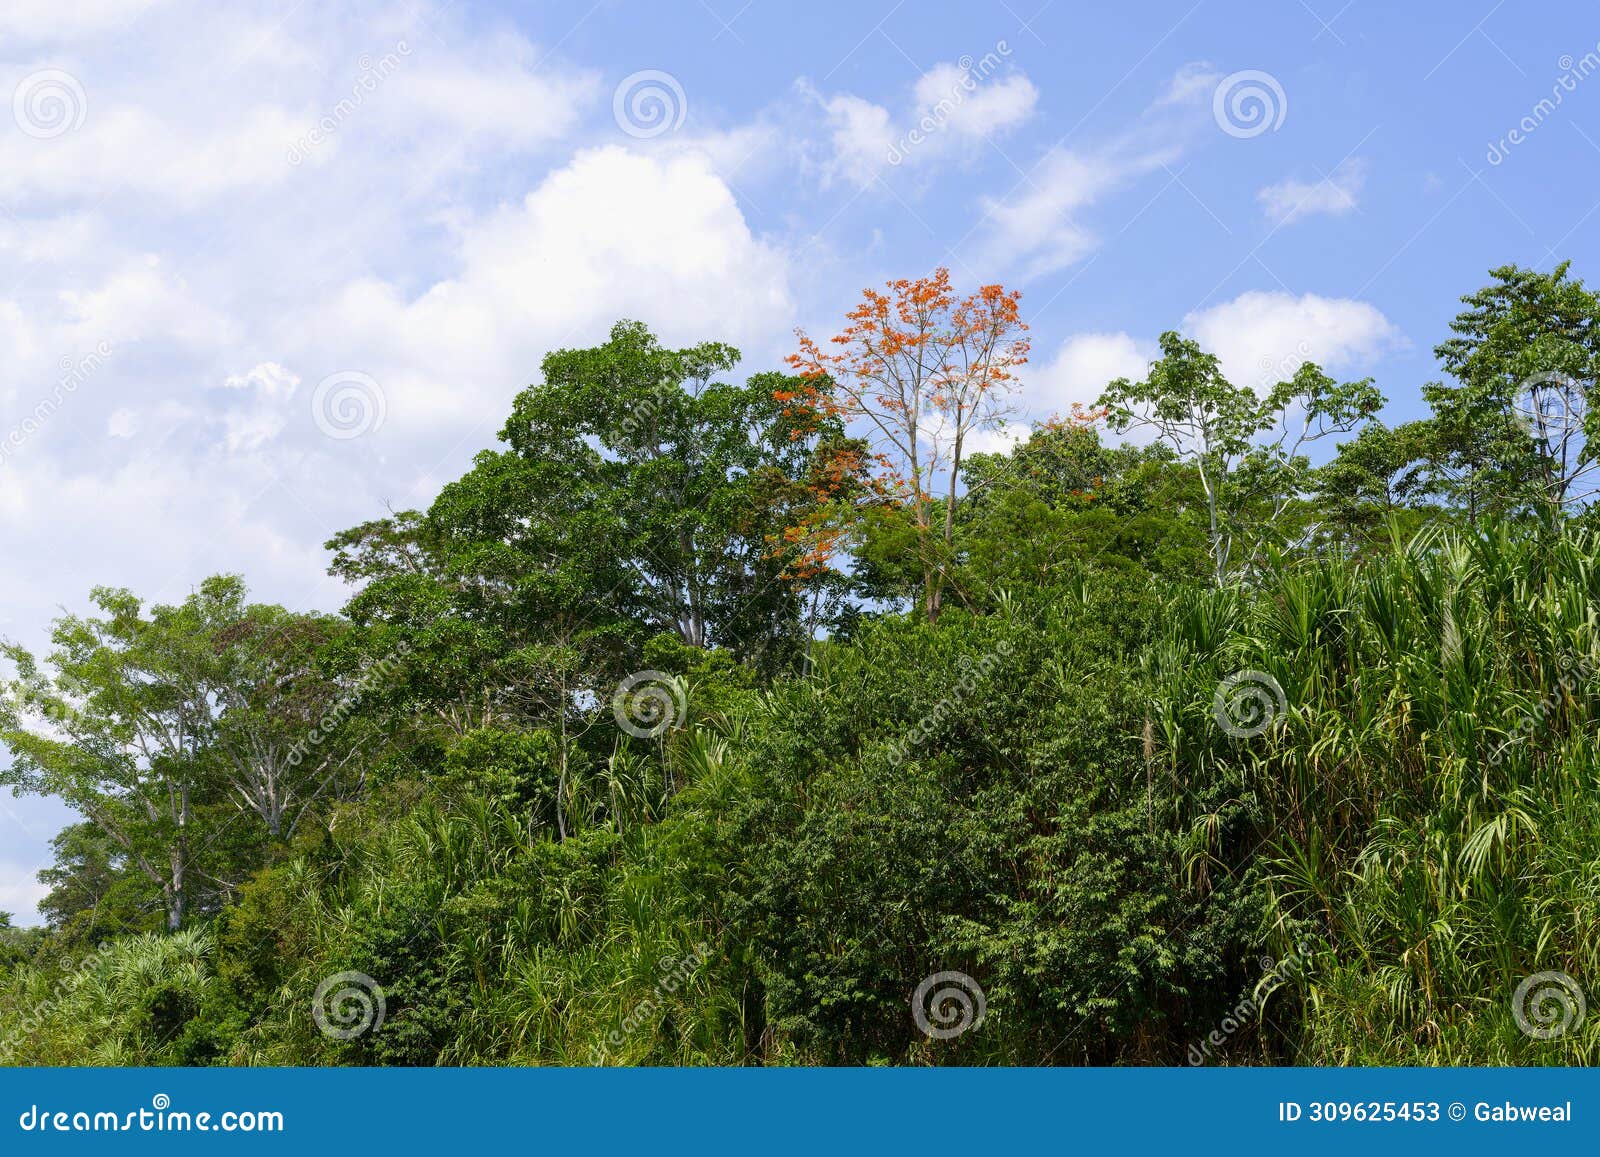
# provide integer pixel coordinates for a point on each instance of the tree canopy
(779, 718)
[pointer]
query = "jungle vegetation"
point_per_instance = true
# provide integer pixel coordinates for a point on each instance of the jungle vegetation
(705, 720)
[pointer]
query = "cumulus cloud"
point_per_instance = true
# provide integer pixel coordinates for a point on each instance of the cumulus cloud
(275, 95)
(422, 242)
(1262, 337)
(1335, 195)
(862, 136)
(1082, 367)
(263, 416)
(612, 234)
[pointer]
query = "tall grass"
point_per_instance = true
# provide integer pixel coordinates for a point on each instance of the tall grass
(1426, 808)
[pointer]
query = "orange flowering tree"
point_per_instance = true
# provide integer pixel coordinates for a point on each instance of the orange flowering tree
(920, 370)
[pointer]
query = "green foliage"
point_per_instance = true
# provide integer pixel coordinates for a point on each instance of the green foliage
(134, 1002)
(974, 798)
(1516, 432)
(1423, 803)
(441, 806)
(1246, 450)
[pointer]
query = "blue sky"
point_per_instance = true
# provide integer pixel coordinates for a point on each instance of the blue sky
(266, 268)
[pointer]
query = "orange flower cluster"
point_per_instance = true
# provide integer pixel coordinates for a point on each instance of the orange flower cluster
(916, 365)
(915, 343)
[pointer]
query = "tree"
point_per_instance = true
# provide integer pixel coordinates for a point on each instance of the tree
(1064, 503)
(284, 734)
(121, 732)
(93, 893)
(156, 724)
(1247, 450)
(636, 496)
(1516, 431)
(690, 482)
(923, 370)
(1374, 478)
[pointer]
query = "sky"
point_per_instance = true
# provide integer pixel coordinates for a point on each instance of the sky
(269, 269)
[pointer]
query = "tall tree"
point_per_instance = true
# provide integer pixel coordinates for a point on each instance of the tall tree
(122, 731)
(1248, 450)
(285, 738)
(1516, 430)
(153, 721)
(689, 482)
(637, 496)
(922, 370)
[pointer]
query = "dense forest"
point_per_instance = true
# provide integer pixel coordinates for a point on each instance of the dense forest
(824, 719)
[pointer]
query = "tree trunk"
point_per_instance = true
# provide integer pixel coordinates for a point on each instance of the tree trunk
(174, 890)
(179, 861)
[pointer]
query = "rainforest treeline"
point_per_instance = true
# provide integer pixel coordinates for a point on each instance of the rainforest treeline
(822, 717)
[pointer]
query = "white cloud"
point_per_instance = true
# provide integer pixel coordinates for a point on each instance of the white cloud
(50, 20)
(862, 137)
(1039, 225)
(126, 149)
(1084, 365)
(159, 518)
(140, 301)
(267, 388)
(501, 96)
(952, 110)
(1191, 83)
(613, 234)
(1336, 194)
(1261, 338)
(221, 102)
(958, 101)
